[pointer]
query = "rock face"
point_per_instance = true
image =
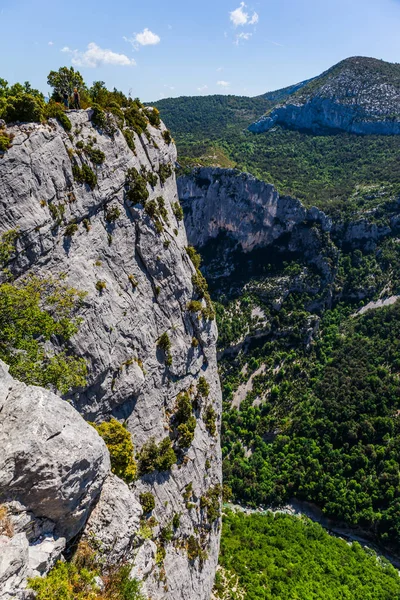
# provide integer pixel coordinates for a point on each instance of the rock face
(51, 460)
(249, 210)
(138, 282)
(52, 468)
(231, 215)
(359, 95)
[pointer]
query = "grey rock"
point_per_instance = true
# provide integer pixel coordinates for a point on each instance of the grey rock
(145, 561)
(247, 214)
(14, 567)
(249, 210)
(51, 461)
(43, 554)
(115, 520)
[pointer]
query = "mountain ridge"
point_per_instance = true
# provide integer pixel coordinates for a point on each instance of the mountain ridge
(358, 95)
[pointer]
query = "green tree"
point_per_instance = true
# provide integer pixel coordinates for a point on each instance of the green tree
(65, 80)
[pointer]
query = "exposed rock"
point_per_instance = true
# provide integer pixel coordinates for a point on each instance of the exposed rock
(114, 522)
(358, 95)
(127, 375)
(14, 565)
(232, 215)
(44, 554)
(145, 561)
(249, 210)
(51, 461)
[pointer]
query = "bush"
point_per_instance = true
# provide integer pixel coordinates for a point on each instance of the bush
(164, 172)
(136, 187)
(103, 121)
(84, 174)
(5, 141)
(164, 343)
(194, 306)
(167, 137)
(147, 501)
(25, 108)
(136, 119)
(178, 211)
(32, 311)
(154, 117)
(210, 417)
(120, 446)
(186, 432)
(156, 457)
(194, 256)
(176, 520)
(212, 502)
(95, 154)
(69, 581)
(55, 110)
(101, 286)
(71, 229)
(203, 387)
(112, 214)
(65, 582)
(130, 140)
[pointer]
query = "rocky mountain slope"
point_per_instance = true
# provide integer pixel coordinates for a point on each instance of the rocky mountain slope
(358, 95)
(74, 204)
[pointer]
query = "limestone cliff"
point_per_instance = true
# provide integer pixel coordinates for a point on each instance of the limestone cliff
(138, 276)
(231, 215)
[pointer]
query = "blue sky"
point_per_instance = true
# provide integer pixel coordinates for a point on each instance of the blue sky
(159, 48)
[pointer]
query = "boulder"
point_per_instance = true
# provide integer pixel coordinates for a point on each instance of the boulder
(51, 461)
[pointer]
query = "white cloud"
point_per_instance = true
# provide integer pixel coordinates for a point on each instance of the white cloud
(254, 19)
(95, 56)
(145, 38)
(220, 69)
(223, 83)
(240, 17)
(51, 44)
(242, 36)
(202, 88)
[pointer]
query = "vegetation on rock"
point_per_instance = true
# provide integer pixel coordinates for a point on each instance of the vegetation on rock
(119, 443)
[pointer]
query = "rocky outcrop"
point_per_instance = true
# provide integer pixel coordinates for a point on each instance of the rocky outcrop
(52, 468)
(138, 280)
(51, 461)
(359, 95)
(115, 521)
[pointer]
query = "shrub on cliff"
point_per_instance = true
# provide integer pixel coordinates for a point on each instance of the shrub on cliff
(147, 501)
(55, 110)
(22, 107)
(120, 446)
(136, 187)
(156, 457)
(33, 311)
(69, 581)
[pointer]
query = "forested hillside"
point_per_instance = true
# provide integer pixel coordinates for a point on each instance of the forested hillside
(281, 557)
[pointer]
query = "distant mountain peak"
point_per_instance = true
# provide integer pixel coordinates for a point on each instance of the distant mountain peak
(357, 95)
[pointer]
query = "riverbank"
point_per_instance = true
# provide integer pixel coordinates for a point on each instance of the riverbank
(298, 508)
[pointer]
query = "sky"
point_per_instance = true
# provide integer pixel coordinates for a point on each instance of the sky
(157, 48)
